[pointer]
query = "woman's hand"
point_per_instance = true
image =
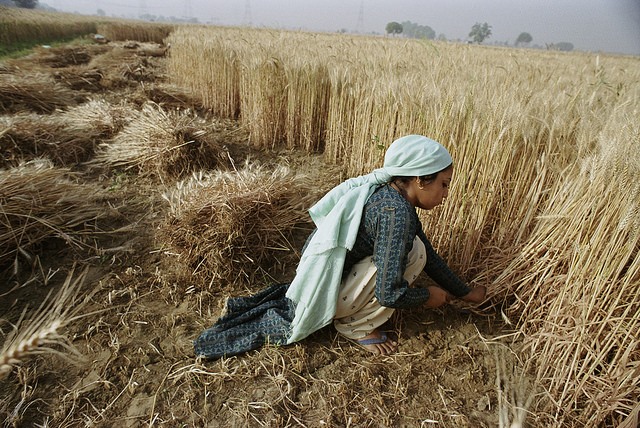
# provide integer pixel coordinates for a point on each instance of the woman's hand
(476, 295)
(437, 297)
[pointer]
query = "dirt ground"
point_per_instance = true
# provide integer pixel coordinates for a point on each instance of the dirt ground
(454, 368)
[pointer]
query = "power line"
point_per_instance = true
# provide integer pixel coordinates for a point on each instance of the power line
(360, 24)
(247, 14)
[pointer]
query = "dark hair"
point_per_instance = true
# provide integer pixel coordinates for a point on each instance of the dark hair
(424, 179)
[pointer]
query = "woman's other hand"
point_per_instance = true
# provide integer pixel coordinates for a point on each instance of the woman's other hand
(476, 295)
(437, 297)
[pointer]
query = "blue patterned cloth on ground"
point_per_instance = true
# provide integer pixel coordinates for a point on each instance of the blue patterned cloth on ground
(248, 324)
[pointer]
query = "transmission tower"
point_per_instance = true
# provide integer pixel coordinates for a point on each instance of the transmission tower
(247, 14)
(187, 9)
(360, 24)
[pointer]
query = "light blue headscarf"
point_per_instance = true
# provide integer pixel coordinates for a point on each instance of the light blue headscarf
(337, 216)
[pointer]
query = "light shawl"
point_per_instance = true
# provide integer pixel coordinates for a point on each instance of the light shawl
(337, 216)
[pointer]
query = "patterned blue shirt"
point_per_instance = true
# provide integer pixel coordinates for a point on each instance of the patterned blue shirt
(387, 230)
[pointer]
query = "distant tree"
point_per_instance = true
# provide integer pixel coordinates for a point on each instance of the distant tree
(101, 12)
(480, 32)
(524, 39)
(442, 37)
(27, 4)
(393, 28)
(411, 29)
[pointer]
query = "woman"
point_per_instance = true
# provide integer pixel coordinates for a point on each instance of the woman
(357, 265)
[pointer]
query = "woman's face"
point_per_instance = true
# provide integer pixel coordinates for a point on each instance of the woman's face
(428, 195)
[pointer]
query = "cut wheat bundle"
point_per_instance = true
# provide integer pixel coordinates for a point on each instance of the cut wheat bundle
(170, 96)
(139, 69)
(39, 201)
(66, 138)
(228, 226)
(114, 67)
(97, 117)
(79, 78)
(42, 331)
(65, 56)
(34, 92)
(167, 144)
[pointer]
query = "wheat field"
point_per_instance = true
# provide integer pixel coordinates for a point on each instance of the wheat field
(546, 205)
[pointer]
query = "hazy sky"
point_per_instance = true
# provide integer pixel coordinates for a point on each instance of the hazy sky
(597, 25)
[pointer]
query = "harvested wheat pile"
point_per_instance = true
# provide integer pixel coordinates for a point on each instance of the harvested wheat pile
(97, 115)
(66, 56)
(39, 201)
(113, 66)
(80, 78)
(140, 69)
(66, 138)
(167, 145)
(169, 96)
(34, 92)
(233, 226)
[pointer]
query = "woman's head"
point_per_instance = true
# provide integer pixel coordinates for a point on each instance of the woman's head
(416, 156)
(427, 191)
(421, 168)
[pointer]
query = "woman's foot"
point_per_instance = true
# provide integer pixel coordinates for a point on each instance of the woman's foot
(378, 343)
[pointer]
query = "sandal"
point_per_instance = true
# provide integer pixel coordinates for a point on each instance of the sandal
(374, 340)
(372, 344)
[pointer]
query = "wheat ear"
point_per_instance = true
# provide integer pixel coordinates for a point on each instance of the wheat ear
(42, 333)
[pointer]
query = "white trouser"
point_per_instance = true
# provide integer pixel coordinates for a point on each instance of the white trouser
(358, 311)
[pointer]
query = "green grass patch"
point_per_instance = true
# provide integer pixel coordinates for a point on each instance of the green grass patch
(24, 48)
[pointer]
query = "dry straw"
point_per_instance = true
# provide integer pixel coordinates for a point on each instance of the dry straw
(38, 202)
(34, 92)
(67, 138)
(170, 96)
(66, 56)
(514, 390)
(119, 67)
(233, 226)
(42, 331)
(168, 145)
(80, 78)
